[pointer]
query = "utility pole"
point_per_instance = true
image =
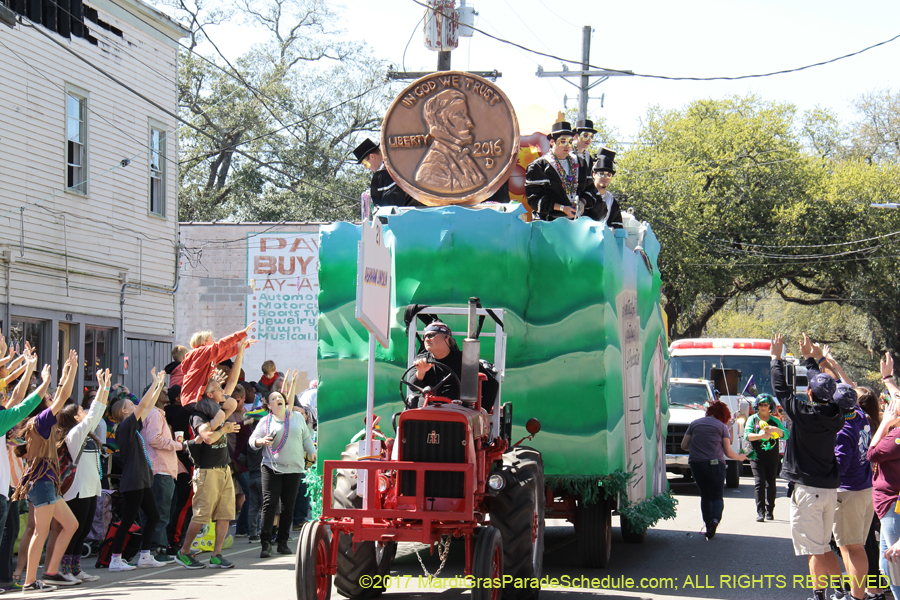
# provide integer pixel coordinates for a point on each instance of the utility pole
(444, 24)
(584, 74)
(585, 80)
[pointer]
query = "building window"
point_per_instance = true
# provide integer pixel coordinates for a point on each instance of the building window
(76, 143)
(33, 331)
(99, 353)
(157, 171)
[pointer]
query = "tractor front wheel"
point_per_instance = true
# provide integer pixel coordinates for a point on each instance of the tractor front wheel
(311, 569)
(487, 565)
(518, 513)
(369, 558)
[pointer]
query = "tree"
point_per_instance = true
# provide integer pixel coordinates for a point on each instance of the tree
(728, 189)
(876, 136)
(273, 130)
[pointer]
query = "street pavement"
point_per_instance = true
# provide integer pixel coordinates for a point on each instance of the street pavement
(745, 560)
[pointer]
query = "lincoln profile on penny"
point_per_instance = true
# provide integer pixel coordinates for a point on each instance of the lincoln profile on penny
(448, 166)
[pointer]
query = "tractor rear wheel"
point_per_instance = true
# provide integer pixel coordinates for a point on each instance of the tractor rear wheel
(369, 558)
(311, 569)
(595, 533)
(487, 565)
(517, 511)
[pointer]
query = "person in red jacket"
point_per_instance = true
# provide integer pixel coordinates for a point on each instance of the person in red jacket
(198, 366)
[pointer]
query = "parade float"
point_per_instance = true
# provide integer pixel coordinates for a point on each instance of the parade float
(582, 360)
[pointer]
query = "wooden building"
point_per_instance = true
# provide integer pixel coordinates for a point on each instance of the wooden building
(89, 255)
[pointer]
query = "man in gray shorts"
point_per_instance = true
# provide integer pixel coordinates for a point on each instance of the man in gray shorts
(855, 507)
(810, 461)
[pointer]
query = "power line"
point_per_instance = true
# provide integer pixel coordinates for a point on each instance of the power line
(788, 259)
(175, 116)
(666, 77)
(557, 15)
(409, 41)
(90, 109)
(243, 83)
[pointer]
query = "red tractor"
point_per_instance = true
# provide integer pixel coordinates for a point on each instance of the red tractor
(451, 472)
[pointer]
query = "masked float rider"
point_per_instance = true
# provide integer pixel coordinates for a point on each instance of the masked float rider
(584, 138)
(384, 190)
(605, 207)
(558, 184)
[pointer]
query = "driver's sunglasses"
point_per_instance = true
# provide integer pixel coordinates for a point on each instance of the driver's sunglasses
(431, 335)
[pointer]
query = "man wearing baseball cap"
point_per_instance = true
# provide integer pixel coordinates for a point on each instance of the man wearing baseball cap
(384, 190)
(809, 459)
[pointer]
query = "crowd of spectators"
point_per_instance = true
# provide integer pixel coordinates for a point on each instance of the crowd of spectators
(141, 481)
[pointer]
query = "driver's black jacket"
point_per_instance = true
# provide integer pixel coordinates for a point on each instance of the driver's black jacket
(450, 389)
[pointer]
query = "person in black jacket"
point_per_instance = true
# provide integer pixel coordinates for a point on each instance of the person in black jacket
(557, 184)
(584, 137)
(605, 207)
(384, 190)
(809, 459)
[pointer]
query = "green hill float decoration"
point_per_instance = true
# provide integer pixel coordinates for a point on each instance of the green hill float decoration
(559, 283)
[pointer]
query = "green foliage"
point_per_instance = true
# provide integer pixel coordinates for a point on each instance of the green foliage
(755, 206)
(845, 327)
(715, 180)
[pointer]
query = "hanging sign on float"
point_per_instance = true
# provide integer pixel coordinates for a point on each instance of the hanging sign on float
(374, 284)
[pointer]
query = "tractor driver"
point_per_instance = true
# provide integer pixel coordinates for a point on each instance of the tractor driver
(441, 347)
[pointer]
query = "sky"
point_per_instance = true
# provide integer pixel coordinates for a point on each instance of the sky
(690, 39)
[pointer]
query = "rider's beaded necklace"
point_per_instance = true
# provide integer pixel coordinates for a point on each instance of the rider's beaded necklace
(569, 180)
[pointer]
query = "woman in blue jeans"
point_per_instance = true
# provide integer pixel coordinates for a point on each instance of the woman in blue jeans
(708, 440)
(884, 453)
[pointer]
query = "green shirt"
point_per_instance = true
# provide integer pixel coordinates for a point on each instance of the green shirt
(11, 417)
(753, 427)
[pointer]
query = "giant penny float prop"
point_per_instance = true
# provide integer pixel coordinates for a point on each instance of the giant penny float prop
(450, 138)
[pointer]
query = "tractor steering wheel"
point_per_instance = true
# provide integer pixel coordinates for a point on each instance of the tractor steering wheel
(436, 364)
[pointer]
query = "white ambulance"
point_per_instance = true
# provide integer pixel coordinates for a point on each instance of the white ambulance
(729, 363)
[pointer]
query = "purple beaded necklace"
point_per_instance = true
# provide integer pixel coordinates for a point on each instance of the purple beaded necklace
(284, 434)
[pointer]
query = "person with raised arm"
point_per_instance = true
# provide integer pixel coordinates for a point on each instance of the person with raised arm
(75, 430)
(40, 484)
(809, 458)
(137, 476)
(199, 365)
(884, 451)
(16, 411)
(214, 498)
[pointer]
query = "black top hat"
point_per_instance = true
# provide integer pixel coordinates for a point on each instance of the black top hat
(604, 161)
(560, 129)
(584, 125)
(363, 150)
